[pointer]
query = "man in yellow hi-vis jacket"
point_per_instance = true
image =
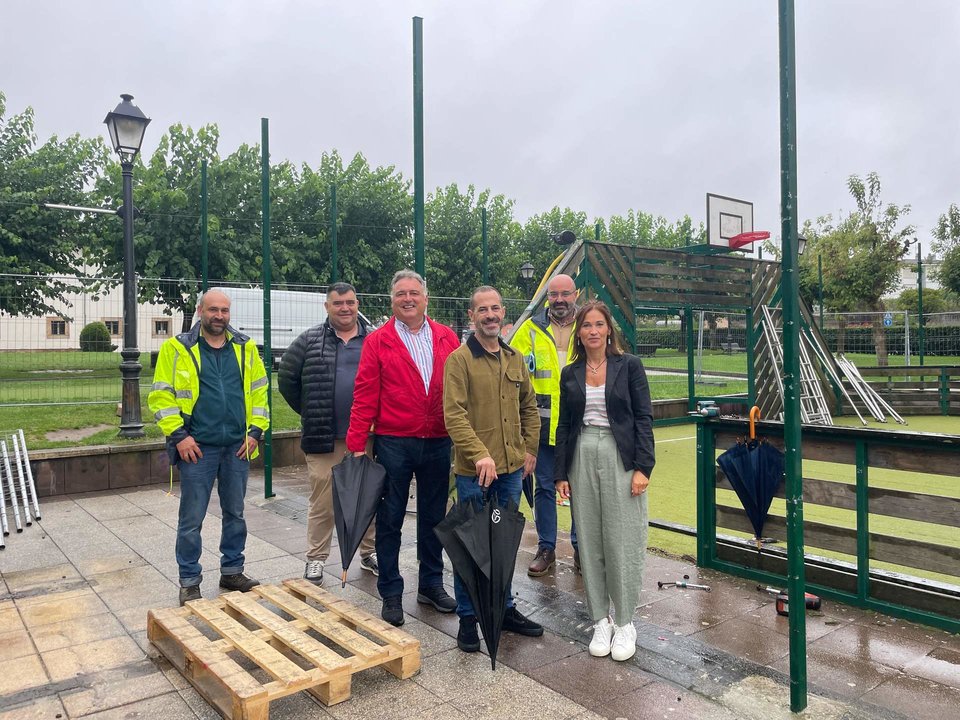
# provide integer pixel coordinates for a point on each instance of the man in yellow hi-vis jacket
(545, 341)
(209, 397)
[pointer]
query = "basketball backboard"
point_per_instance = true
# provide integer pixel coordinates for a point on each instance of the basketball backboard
(727, 218)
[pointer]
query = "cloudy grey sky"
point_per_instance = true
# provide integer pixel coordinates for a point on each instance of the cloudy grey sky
(602, 106)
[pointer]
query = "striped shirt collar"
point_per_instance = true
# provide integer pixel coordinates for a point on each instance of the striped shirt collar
(420, 347)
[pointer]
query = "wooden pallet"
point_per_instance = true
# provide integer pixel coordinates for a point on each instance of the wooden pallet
(281, 647)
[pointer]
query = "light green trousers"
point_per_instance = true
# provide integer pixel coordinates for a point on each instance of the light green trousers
(611, 526)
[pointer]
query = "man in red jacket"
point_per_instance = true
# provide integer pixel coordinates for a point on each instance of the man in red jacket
(398, 396)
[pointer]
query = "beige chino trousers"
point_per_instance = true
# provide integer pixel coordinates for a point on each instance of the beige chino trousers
(320, 514)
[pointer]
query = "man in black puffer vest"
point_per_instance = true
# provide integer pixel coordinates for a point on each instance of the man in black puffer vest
(316, 379)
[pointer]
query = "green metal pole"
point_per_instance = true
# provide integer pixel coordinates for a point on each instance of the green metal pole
(820, 286)
(334, 250)
(923, 334)
(267, 337)
(789, 287)
(204, 240)
(863, 522)
(483, 242)
(418, 251)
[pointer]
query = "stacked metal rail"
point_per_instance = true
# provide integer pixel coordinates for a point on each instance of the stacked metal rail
(17, 488)
(876, 405)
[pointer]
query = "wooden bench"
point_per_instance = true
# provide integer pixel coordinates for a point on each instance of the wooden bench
(647, 349)
(731, 347)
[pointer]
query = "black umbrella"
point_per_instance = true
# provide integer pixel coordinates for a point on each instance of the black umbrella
(755, 470)
(528, 490)
(357, 488)
(482, 543)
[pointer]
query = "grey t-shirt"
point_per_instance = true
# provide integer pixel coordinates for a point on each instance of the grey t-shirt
(348, 360)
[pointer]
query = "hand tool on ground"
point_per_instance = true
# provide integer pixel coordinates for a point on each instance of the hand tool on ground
(682, 584)
(810, 601)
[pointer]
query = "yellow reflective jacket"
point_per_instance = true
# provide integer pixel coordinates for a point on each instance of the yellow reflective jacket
(176, 384)
(536, 343)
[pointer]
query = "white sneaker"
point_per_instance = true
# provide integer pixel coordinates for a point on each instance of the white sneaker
(602, 636)
(624, 643)
(314, 572)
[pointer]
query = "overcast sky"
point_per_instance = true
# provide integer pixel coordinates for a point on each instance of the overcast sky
(601, 106)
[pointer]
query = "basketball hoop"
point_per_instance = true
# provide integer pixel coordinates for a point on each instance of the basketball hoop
(747, 238)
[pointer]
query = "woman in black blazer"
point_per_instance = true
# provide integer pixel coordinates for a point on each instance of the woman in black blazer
(604, 458)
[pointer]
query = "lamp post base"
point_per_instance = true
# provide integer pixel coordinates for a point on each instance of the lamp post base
(131, 425)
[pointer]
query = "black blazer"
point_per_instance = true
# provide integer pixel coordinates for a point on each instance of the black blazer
(628, 408)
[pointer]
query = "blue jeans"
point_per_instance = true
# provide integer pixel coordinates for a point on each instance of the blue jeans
(507, 487)
(196, 484)
(545, 501)
(429, 460)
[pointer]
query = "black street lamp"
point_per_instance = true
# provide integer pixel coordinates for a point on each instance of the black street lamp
(526, 275)
(127, 125)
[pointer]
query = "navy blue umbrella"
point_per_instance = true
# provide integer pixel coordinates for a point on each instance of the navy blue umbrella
(755, 470)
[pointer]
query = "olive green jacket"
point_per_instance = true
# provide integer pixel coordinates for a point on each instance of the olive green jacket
(489, 407)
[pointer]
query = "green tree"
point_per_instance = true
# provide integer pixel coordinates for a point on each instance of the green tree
(861, 253)
(35, 240)
(454, 243)
(946, 237)
(642, 229)
(535, 244)
(934, 301)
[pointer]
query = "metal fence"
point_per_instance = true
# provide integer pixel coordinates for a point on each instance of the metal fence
(41, 362)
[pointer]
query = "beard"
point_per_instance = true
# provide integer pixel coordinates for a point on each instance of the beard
(213, 328)
(561, 310)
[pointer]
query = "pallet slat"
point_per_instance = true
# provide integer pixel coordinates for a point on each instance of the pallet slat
(280, 646)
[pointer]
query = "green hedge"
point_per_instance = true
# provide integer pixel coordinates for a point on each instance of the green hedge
(95, 337)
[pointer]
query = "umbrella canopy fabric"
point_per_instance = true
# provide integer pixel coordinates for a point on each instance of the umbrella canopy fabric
(358, 484)
(482, 543)
(755, 470)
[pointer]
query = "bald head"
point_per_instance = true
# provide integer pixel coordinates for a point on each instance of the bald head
(213, 307)
(562, 299)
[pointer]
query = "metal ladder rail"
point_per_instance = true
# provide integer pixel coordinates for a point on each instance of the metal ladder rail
(811, 391)
(13, 491)
(883, 404)
(864, 393)
(820, 352)
(774, 348)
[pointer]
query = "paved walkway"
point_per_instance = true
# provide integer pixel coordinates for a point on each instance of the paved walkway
(75, 589)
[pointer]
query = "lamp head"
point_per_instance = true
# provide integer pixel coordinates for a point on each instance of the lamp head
(127, 125)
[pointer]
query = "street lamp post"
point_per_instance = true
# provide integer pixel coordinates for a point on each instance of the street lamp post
(526, 274)
(127, 125)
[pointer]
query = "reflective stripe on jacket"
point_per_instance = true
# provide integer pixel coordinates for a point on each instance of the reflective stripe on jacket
(536, 343)
(176, 384)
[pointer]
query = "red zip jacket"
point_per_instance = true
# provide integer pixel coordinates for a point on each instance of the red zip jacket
(388, 392)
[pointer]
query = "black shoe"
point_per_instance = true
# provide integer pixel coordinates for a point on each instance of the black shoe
(392, 610)
(189, 593)
(514, 622)
(468, 639)
(437, 597)
(576, 561)
(238, 582)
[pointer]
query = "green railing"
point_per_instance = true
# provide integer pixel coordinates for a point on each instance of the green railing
(882, 518)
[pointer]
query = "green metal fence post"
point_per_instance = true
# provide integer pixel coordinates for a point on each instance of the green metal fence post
(418, 196)
(691, 372)
(923, 334)
(820, 287)
(334, 250)
(204, 240)
(706, 495)
(267, 338)
(863, 523)
(944, 391)
(483, 244)
(789, 285)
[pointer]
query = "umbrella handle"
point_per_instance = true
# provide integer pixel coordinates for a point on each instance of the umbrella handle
(754, 416)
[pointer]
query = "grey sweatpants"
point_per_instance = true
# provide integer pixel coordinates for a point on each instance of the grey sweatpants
(611, 526)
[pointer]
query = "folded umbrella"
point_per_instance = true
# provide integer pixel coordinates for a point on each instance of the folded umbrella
(482, 543)
(358, 484)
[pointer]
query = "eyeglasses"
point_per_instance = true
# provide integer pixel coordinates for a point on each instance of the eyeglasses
(565, 294)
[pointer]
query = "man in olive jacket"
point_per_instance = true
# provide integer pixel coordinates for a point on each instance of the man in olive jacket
(490, 411)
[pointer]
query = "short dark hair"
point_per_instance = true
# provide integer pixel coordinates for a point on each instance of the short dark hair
(483, 289)
(614, 346)
(341, 288)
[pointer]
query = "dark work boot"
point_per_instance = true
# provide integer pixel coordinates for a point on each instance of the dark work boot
(544, 560)
(238, 582)
(468, 639)
(189, 593)
(392, 610)
(515, 622)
